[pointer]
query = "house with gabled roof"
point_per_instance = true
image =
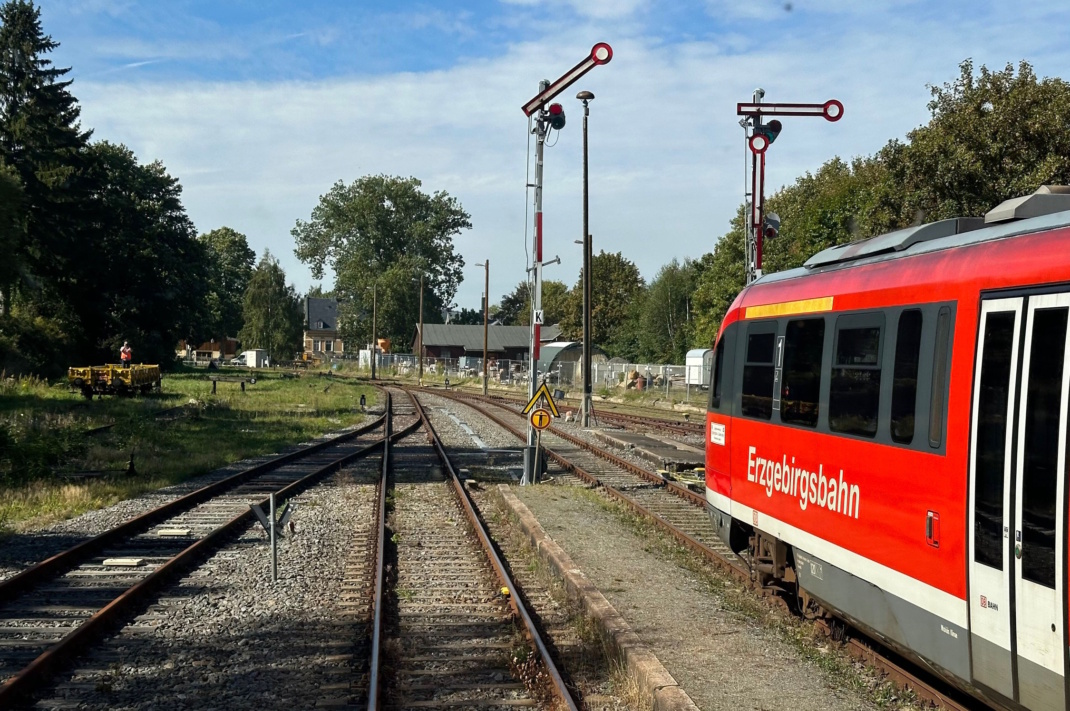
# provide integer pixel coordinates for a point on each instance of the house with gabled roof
(322, 335)
(443, 340)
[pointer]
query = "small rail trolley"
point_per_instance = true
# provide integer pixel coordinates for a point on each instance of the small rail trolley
(886, 437)
(114, 379)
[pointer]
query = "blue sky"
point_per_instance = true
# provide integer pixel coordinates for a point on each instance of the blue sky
(258, 107)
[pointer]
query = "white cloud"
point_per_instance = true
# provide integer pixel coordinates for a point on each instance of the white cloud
(666, 151)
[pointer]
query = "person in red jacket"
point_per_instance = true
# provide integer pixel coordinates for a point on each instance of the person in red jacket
(126, 354)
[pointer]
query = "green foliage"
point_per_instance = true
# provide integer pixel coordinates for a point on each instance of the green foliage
(515, 308)
(41, 140)
(271, 312)
(616, 289)
(993, 136)
(666, 322)
(385, 231)
(230, 263)
(467, 317)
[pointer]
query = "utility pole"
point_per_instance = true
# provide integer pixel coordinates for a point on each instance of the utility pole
(420, 335)
(545, 118)
(585, 408)
(375, 342)
(486, 320)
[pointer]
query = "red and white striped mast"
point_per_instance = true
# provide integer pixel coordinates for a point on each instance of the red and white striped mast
(545, 118)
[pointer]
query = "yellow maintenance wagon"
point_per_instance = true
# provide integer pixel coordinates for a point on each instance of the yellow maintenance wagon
(114, 379)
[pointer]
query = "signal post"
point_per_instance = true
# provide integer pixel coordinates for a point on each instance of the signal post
(759, 137)
(545, 117)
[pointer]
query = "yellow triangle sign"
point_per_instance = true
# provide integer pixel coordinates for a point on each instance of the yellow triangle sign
(543, 391)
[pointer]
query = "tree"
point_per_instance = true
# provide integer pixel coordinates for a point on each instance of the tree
(515, 308)
(272, 312)
(616, 286)
(385, 231)
(146, 285)
(666, 318)
(12, 233)
(467, 317)
(230, 268)
(993, 136)
(41, 139)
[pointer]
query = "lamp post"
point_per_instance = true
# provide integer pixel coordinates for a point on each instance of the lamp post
(420, 336)
(486, 307)
(585, 408)
(375, 342)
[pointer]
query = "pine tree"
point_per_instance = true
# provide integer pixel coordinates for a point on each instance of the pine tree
(41, 139)
(272, 312)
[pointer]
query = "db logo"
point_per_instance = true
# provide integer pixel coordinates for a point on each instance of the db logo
(984, 601)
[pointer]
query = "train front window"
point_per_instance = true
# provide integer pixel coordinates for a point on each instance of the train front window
(1041, 444)
(800, 393)
(854, 395)
(758, 373)
(905, 376)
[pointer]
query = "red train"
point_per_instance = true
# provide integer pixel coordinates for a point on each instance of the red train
(887, 430)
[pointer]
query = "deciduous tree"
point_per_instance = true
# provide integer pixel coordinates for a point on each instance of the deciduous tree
(386, 231)
(230, 263)
(271, 312)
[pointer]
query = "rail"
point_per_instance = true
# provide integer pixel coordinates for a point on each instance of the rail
(55, 657)
(560, 689)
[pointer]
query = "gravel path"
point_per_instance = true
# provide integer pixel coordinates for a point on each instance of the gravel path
(226, 638)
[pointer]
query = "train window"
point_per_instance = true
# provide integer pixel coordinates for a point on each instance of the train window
(854, 395)
(800, 392)
(718, 375)
(991, 436)
(905, 376)
(1041, 444)
(758, 373)
(939, 391)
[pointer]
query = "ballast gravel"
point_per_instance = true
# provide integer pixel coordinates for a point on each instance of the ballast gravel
(721, 656)
(227, 637)
(21, 550)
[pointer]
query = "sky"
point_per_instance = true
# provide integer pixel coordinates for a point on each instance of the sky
(259, 106)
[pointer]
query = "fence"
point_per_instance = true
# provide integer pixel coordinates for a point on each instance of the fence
(607, 378)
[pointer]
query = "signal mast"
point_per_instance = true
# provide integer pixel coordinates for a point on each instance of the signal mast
(760, 136)
(547, 117)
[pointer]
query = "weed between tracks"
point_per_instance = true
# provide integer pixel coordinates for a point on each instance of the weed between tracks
(51, 470)
(593, 657)
(814, 646)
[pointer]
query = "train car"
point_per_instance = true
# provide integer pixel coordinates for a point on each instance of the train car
(887, 434)
(114, 379)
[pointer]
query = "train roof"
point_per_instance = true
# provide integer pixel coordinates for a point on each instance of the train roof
(931, 237)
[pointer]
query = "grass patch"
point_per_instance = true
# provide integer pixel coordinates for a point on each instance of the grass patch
(43, 438)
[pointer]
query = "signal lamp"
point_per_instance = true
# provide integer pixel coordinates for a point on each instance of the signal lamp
(770, 130)
(771, 226)
(557, 116)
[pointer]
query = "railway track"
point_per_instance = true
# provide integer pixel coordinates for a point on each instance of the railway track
(52, 611)
(681, 513)
(448, 630)
(624, 420)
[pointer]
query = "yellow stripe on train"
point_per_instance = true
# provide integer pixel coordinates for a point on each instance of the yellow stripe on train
(790, 308)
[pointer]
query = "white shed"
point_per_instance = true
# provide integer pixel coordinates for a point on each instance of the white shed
(697, 364)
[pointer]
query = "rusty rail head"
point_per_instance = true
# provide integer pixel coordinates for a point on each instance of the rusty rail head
(86, 549)
(56, 656)
(560, 689)
(380, 545)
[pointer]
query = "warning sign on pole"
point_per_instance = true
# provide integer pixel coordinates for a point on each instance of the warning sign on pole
(540, 419)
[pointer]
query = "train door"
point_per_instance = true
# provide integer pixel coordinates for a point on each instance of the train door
(1017, 490)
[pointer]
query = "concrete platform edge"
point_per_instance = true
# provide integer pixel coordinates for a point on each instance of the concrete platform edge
(641, 664)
